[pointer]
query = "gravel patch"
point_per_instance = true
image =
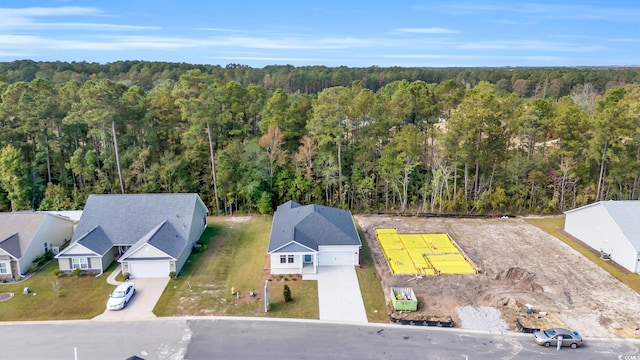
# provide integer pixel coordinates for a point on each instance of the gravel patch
(481, 318)
(5, 296)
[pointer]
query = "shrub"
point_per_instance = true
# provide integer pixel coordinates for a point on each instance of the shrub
(33, 267)
(77, 272)
(287, 294)
(126, 276)
(56, 272)
(199, 247)
(173, 275)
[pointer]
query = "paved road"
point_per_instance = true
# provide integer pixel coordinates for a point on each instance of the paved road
(233, 338)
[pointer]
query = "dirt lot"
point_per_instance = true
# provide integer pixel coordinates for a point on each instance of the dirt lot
(518, 264)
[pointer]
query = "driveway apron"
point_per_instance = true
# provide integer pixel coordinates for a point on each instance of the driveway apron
(148, 292)
(339, 294)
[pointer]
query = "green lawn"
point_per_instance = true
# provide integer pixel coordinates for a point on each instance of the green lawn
(374, 302)
(555, 225)
(79, 297)
(234, 258)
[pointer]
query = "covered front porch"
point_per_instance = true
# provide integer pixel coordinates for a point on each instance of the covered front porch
(294, 263)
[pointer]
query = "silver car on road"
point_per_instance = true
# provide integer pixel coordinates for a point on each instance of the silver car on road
(549, 337)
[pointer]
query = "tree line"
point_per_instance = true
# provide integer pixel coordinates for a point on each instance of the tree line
(551, 82)
(409, 145)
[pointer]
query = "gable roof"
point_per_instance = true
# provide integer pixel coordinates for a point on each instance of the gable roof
(626, 215)
(126, 219)
(311, 226)
(97, 241)
(11, 246)
(163, 237)
(17, 230)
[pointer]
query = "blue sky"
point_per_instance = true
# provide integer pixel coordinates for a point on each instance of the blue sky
(332, 33)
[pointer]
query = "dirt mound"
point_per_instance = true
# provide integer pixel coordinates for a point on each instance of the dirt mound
(520, 278)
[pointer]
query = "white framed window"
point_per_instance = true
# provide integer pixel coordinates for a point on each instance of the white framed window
(3, 268)
(290, 259)
(80, 263)
(283, 259)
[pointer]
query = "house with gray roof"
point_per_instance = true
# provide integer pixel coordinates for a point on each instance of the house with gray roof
(151, 235)
(611, 228)
(305, 237)
(27, 235)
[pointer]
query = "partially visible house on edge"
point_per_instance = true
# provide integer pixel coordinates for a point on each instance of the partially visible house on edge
(27, 235)
(611, 228)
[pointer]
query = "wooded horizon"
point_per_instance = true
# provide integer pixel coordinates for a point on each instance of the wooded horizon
(409, 140)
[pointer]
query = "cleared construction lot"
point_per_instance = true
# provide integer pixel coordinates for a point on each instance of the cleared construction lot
(518, 264)
(422, 254)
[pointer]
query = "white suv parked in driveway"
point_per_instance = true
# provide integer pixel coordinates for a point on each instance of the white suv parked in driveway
(121, 296)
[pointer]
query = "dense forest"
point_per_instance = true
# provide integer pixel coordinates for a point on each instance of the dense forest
(411, 140)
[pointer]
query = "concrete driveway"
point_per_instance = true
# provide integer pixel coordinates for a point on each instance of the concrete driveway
(148, 291)
(339, 294)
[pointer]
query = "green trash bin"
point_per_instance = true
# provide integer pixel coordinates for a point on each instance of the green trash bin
(529, 308)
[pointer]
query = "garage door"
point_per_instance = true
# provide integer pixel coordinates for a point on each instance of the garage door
(335, 258)
(149, 269)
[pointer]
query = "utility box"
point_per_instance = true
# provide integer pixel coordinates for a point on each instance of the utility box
(404, 299)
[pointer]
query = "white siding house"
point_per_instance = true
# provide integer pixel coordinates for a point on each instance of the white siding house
(611, 228)
(305, 237)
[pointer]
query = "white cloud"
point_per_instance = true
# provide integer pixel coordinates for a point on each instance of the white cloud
(429, 30)
(49, 11)
(551, 11)
(87, 26)
(469, 57)
(222, 30)
(535, 45)
(292, 43)
(259, 58)
(22, 19)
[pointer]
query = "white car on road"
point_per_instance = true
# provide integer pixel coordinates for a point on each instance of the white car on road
(121, 296)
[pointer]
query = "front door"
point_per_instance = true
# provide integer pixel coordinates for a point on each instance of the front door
(307, 258)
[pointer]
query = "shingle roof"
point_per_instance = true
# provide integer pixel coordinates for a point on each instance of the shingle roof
(312, 226)
(626, 214)
(164, 237)
(125, 219)
(97, 241)
(12, 245)
(17, 229)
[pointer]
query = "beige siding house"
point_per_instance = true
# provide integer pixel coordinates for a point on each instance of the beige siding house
(151, 235)
(26, 235)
